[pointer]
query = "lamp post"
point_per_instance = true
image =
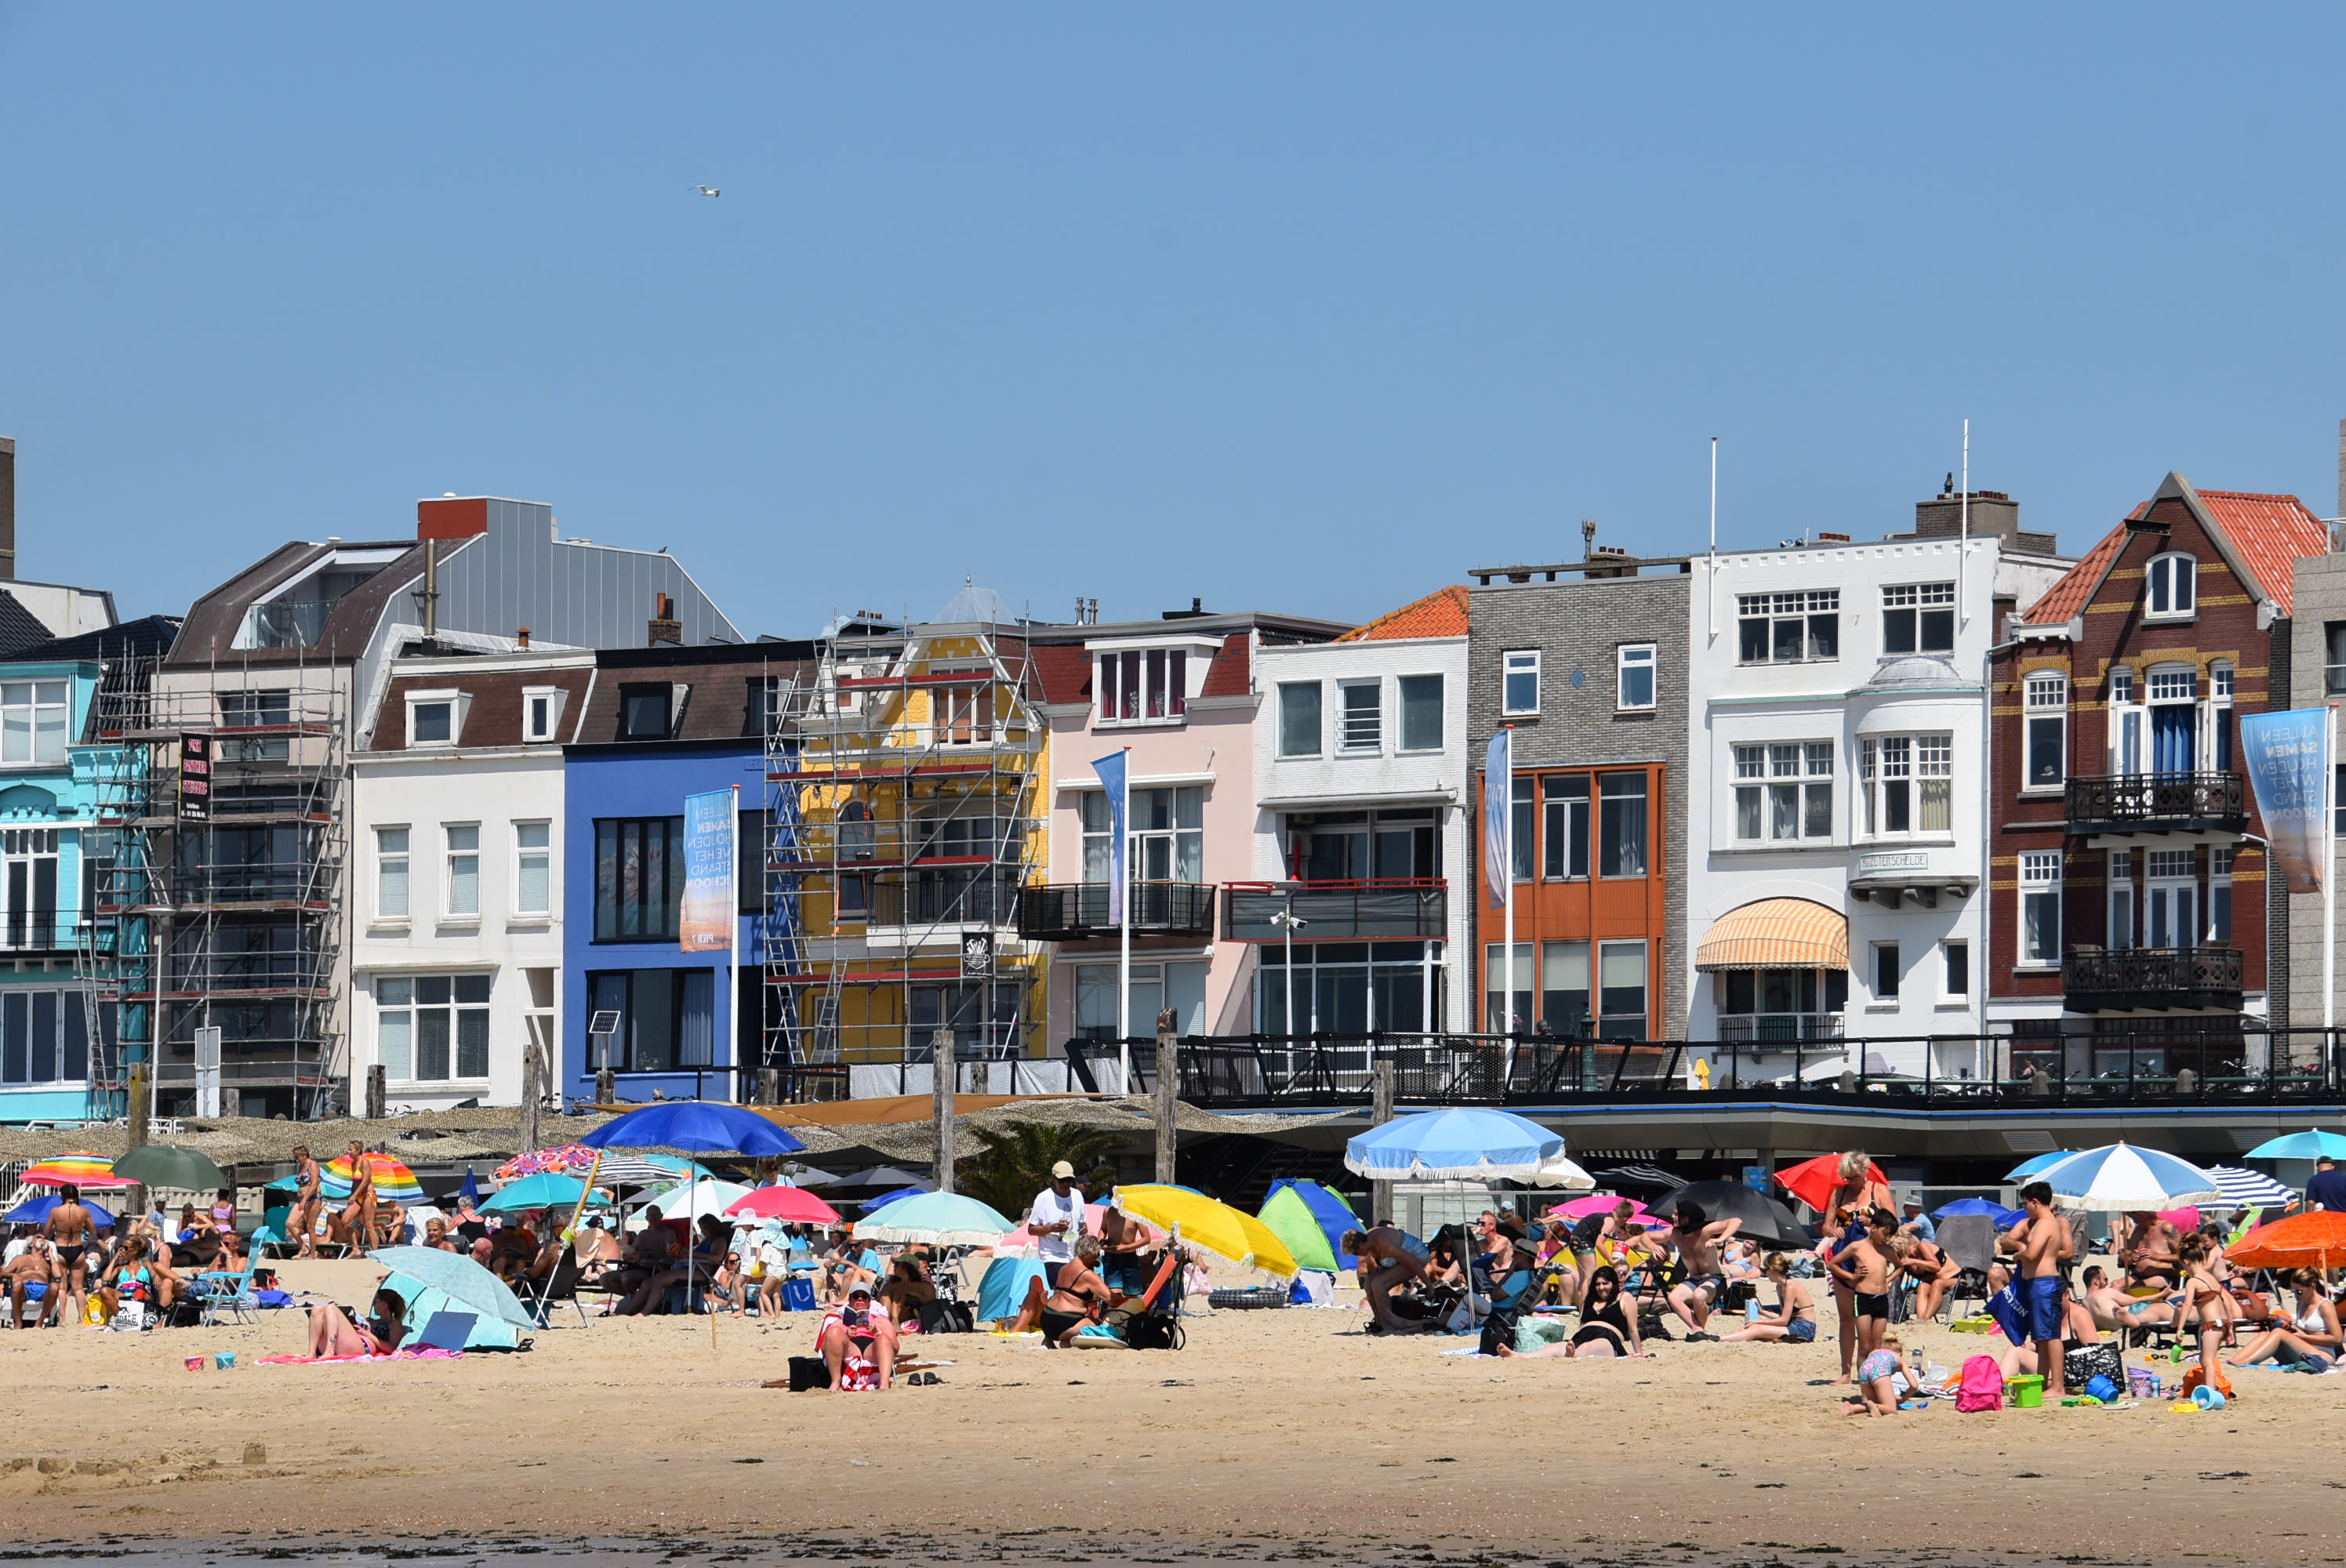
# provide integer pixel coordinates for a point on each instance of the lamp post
(1287, 920)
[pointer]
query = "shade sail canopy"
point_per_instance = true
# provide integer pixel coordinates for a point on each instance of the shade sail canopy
(1776, 933)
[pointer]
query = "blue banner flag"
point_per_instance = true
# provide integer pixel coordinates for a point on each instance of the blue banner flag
(705, 922)
(1498, 815)
(2289, 765)
(1111, 769)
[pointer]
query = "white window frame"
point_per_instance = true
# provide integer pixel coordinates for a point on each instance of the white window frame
(24, 705)
(457, 702)
(1879, 1002)
(2044, 696)
(1400, 713)
(1628, 657)
(412, 1009)
(1367, 740)
(2163, 577)
(2129, 726)
(404, 858)
(1918, 599)
(2040, 878)
(1912, 754)
(521, 856)
(2220, 884)
(1764, 772)
(554, 697)
(2123, 904)
(450, 854)
(1805, 606)
(1948, 996)
(1512, 663)
(1171, 689)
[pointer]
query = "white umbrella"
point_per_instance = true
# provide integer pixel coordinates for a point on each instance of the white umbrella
(2124, 1179)
(2244, 1188)
(690, 1200)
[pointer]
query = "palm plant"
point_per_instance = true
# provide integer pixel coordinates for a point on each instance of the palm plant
(1017, 1161)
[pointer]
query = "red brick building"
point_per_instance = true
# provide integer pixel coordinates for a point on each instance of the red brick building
(2127, 882)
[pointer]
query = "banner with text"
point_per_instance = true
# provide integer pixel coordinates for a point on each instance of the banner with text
(2289, 765)
(706, 921)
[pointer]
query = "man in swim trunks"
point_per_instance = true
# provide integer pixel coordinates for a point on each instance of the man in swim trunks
(1696, 1239)
(32, 1266)
(1128, 1256)
(2151, 1253)
(302, 1215)
(2044, 1246)
(68, 1232)
(1389, 1257)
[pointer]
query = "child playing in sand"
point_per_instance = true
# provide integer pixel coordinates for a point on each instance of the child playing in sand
(1878, 1396)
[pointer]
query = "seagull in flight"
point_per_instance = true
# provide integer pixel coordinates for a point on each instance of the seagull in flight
(707, 190)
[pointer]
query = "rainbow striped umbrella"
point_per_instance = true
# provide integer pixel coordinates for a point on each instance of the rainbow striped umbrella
(393, 1182)
(80, 1169)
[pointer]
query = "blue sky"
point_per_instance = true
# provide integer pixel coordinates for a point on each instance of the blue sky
(1308, 307)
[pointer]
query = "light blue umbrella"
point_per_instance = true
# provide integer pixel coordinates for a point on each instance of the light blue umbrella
(1461, 1143)
(939, 1219)
(2036, 1163)
(2300, 1147)
(547, 1190)
(463, 1281)
(2126, 1177)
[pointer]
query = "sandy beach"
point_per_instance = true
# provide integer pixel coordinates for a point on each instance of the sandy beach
(1271, 1431)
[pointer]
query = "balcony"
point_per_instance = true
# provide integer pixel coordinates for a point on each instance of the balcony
(2152, 979)
(1072, 912)
(1779, 1028)
(1397, 907)
(2159, 803)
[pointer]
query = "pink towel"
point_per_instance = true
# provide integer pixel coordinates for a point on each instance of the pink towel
(430, 1354)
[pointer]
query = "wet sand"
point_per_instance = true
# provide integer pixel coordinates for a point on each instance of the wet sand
(1275, 1434)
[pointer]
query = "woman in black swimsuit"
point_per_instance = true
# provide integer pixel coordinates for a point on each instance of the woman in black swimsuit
(1606, 1329)
(1081, 1298)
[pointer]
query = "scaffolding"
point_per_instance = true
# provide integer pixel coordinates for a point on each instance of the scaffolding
(216, 895)
(903, 804)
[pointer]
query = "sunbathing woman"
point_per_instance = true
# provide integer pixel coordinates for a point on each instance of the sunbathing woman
(1794, 1318)
(1606, 1331)
(1081, 1298)
(2314, 1344)
(1933, 1273)
(332, 1332)
(906, 1291)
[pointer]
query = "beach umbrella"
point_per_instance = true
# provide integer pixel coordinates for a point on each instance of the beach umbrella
(548, 1189)
(1334, 1214)
(887, 1176)
(2002, 1216)
(2316, 1239)
(78, 1170)
(1652, 1178)
(697, 1127)
(2125, 1177)
(2244, 1188)
(1002, 1292)
(1556, 1170)
(393, 1182)
(646, 1170)
(1290, 1219)
(164, 1164)
(792, 1205)
(1020, 1242)
(689, 1200)
(1766, 1220)
(566, 1157)
(457, 1276)
(871, 1205)
(1226, 1232)
(2300, 1147)
(1812, 1181)
(472, 1188)
(36, 1211)
(1580, 1208)
(2036, 1164)
(939, 1219)
(1458, 1144)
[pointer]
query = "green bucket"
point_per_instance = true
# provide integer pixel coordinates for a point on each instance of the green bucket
(2027, 1393)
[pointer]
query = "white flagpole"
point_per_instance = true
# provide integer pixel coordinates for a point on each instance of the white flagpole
(733, 960)
(2329, 876)
(1963, 606)
(1507, 869)
(1123, 956)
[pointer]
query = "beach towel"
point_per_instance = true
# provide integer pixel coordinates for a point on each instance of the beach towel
(1982, 1386)
(394, 1355)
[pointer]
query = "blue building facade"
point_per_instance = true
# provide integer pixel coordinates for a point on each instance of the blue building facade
(49, 828)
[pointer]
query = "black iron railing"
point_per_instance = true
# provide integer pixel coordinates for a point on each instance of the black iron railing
(1381, 908)
(2140, 802)
(2149, 979)
(1072, 912)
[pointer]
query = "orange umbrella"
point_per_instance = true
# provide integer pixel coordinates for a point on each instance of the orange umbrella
(2313, 1240)
(1812, 1181)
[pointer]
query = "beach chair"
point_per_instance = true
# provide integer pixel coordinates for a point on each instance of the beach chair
(228, 1290)
(559, 1287)
(1969, 1240)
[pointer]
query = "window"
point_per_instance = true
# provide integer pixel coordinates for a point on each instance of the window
(2174, 720)
(1564, 990)
(2170, 898)
(1565, 836)
(1621, 990)
(1885, 971)
(1633, 677)
(1907, 781)
(2046, 704)
(962, 715)
(429, 1028)
(1796, 800)
(2126, 724)
(1918, 618)
(2220, 895)
(1955, 971)
(644, 712)
(2170, 586)
(1519, 827)
(541, 711)
(2122, 900)
(1420, 713)
(1621, 824)
(1339, 987)
(961, 1009)
(1298, 718)
(1362, 728)
(464, 881)
(390, 873)
(640, 878)
(1140, 685)
(431, 723)
(666, 1018)
(1356, 846)
(32, 888)
(2040, 907)
(2220, 715)
(533, 869)
(33, 721)
(1180, 986)
(1520, 682)
(1774, 1006)
(1165, 837)
(1788, 628)
(255, 711)
(44, 1038)
(1496, 1017)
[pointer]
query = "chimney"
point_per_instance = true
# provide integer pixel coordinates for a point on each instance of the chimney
(522, 636)
(8, 503)
(663, 627)
(1994, 514)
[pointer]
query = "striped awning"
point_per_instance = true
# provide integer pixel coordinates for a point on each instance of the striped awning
(1776, 933)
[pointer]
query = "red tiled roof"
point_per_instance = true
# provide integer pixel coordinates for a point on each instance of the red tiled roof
(1441, 614)
(2067, 597)
(2271, 532)
(1229, 676)
(1064, 672)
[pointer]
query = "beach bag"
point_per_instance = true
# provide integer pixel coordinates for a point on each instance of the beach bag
(808, 1372)
(1981, 1388)
(1151, 1331)
(2084, 1363)
(1536, 1332)
(2004, 1307)
(946, 1317)
(798, 1295)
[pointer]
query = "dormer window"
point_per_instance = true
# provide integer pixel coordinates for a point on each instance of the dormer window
(434, 718)
(1144, 685)
(644, 712)
(2170, 587)
(541, 712)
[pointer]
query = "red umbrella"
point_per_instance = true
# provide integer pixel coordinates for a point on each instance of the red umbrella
(794, 1204)
(1812, 1181)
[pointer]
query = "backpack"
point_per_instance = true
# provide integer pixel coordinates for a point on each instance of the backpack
(946, 1317)
(1981, 1388)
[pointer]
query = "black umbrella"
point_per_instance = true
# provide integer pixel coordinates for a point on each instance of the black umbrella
(1765, 1220)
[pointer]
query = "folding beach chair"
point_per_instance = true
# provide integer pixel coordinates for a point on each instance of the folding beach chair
(560, 1286)
(227, 1290)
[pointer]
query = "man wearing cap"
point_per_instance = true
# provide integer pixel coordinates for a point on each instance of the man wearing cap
(1054, 1221)
(1915, 1223)
(2327, 1189)
(868, 1333)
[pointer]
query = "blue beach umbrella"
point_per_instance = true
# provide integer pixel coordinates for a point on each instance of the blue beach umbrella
(2244, 1188)
(1962, 1205)
(2037, 1164)
(548, 1189)
(2126, 1177)
(430, 1280)
(36, 1211)
(695, 1125)
(939, 1219)
(1329, 1211)
(1460, 1144)
(2300, 1147)
(871, 1205)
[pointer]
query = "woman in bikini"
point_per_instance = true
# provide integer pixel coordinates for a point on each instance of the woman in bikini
(1851, 1197)
(358, 1209)
(301, 1218)
(1606, 1329)
(2205, 1298)
(333, 1334)
(1794, 1319)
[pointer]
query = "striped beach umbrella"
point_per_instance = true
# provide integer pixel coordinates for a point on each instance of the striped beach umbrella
(78, 1169)
(2244, 1188)
(393, 1182)
(2125, 1177)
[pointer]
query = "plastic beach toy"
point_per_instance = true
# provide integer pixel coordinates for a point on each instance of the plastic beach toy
(2027, 1392)
(2208, 1398)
